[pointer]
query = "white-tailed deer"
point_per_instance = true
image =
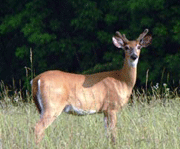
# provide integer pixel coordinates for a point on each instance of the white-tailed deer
(56, 91)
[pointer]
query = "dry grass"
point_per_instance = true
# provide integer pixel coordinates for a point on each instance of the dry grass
(147, 122)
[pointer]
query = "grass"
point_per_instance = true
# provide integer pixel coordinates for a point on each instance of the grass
(154, 125)
(150, 121)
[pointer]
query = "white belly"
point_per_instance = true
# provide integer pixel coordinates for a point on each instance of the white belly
(71, 109)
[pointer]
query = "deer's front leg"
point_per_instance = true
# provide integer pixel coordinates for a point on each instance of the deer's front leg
(112, 125)
(110, 120)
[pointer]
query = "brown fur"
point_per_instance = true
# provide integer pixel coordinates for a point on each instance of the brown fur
(104, 92)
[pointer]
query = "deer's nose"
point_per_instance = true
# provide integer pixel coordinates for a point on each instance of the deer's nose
(134, 56)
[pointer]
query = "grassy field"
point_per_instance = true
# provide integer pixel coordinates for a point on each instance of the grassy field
(141, 125)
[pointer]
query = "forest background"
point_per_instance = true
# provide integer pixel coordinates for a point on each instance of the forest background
(76, 36)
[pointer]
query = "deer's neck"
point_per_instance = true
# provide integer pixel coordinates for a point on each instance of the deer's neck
(128, 73)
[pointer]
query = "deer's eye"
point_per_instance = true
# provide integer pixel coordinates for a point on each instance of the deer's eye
(138, 47)
(126, 48)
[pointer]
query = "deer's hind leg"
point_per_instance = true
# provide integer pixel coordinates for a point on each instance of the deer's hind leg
(51, 105)
(47, 117)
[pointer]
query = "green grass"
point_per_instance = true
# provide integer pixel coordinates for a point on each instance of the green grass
(140, 126)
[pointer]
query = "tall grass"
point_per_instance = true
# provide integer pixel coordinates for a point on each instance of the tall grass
(150, 120)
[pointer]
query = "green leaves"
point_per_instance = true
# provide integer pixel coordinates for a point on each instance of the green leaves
(21, 52)
(176, 31)
(110, 19)
(104, 37)
(10, 23)
(146, 5)
(40, 38)
(88, 15)
(172, 63)
(160, 30)
(76, 35)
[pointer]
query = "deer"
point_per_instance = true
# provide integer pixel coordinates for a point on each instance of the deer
(55, 91)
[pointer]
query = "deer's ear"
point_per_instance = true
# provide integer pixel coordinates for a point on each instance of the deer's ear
(146, 41)
(118, 42)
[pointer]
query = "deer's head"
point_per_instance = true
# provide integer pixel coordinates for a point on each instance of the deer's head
(132, 48)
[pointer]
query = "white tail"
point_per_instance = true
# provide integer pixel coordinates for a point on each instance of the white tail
(57, 91)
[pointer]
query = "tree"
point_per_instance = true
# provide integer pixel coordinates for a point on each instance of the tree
(75, 36)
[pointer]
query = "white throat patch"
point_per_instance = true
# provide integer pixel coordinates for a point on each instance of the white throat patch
(133, 63)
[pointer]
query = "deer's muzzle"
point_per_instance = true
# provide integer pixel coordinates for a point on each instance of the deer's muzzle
(134, 56)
